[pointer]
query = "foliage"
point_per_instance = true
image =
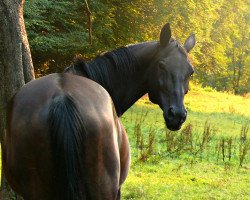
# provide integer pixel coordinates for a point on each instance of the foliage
(58, 31)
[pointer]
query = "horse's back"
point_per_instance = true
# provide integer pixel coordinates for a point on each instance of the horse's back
(28, 157)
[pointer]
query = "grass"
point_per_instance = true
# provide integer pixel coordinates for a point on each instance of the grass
(209, 158)
(176, 179)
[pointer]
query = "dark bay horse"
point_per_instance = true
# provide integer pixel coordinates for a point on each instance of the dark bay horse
(161, 69)
(64, 139)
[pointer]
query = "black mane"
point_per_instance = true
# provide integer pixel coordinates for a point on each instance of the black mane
(104, 69)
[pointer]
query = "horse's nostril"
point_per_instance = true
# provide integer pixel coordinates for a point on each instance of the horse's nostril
(171, 113)
(176, 113)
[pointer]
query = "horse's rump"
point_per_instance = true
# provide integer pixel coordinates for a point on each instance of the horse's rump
(63, 140)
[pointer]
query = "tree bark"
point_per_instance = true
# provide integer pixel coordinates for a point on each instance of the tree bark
(16, 66)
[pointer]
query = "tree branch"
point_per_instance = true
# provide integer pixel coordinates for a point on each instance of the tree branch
(89, 14)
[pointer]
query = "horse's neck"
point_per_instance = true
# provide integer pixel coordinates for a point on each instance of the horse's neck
(129, 92)
(126, 92)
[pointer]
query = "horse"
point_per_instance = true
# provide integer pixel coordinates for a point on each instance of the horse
(160, 69)
(64, 141)
(64, 138)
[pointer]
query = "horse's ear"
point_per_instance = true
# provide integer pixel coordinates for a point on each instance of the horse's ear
(165, 35)
(190, 42)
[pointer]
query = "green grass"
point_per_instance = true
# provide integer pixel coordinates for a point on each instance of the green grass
(184, 173)
(175, 179)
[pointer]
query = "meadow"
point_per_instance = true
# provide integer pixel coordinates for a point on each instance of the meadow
(209, 158)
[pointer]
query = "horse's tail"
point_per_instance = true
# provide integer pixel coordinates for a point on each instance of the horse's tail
(67, 133)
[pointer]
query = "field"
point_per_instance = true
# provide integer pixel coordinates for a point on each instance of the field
(209, 158)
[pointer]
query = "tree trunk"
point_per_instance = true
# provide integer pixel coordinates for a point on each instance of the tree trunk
(16, 66)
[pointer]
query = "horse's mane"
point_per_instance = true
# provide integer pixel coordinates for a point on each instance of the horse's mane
(117, 64)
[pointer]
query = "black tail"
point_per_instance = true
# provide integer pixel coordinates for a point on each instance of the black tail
(67, 133)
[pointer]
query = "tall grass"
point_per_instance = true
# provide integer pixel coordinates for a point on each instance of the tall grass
(194, 146)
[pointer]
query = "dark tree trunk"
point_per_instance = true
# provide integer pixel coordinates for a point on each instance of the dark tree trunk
(15, 62)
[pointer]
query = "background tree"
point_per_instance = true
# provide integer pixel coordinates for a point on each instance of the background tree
(15, 61)
(58, 30)
(231, 43)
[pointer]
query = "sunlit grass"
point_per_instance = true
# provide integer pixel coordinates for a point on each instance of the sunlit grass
(163, 176)
(206, 100)
(171, 179)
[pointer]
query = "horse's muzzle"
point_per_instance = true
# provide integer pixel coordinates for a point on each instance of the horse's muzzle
(174, 117)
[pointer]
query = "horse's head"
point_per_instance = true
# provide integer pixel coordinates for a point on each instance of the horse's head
(169, 78)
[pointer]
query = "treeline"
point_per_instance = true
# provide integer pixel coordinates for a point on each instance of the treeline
(58, 30)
